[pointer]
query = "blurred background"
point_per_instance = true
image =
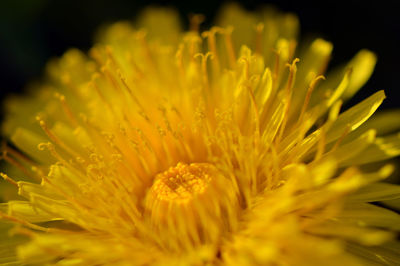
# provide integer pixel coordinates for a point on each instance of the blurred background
(32, 31)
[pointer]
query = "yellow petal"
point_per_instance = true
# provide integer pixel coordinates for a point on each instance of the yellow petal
(275, 26)
(25, 189)
(264, 89)
(380, 149)
(345, 154)
(56, 209)
(355, 116)
(8, 244)
(27, 211)
(366, 214)
(376, 192)
(359, 234)
(315, 62)
(161, 24)
(28, 141)
(361, 65)
(384, 122)
(242, 21)
(387, 254)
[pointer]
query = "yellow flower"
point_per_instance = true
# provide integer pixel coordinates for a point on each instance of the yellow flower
(165, 147)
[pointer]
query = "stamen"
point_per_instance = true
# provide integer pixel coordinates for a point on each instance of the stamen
(96, 55)
(138, 73)
(289, 87)
(110, 55)
(179, 60)
(55, 139)
(50, 147)
(195, 20)
(292, 74)
(67, 109)
(141, 37)
(275, 73)
(141, 111)
(321, 145)
(292, 48)
(193, 43)
(204, 67)
(341, 138)
(15, 163)
(105, 70)
(259, 31)
(212, 45)
(28, 224)
(93, 85)
(308, 96)
(230, 47)
(17, 154)
(246, 67)
(256, 118)
(8, 179)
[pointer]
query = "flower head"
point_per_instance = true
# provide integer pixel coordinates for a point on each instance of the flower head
(220, 147)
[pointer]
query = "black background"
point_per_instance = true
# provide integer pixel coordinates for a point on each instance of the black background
(32, 31)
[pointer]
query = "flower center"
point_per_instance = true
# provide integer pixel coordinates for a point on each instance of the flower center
(182, 182)
(190, 205)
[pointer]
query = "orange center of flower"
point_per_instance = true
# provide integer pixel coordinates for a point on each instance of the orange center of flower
(185, 205)
(182, 182)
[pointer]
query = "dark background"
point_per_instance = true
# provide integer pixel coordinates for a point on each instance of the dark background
(32, 31)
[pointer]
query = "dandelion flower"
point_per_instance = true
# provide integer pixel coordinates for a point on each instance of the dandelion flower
(165, 147)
